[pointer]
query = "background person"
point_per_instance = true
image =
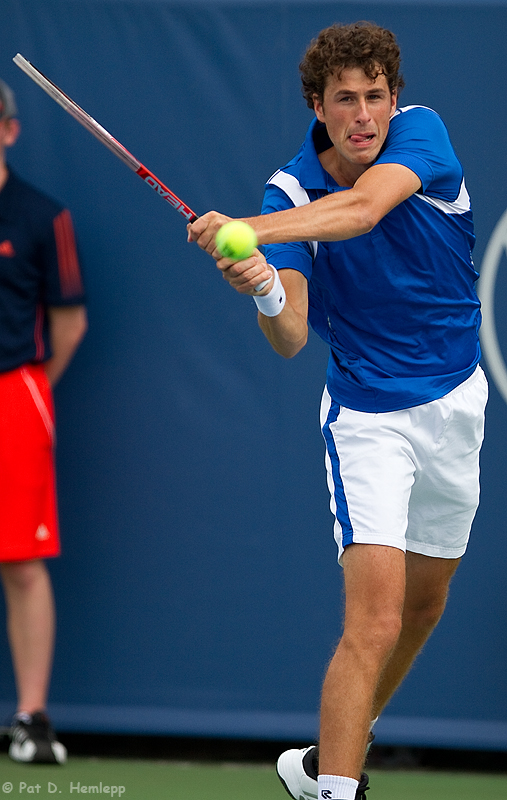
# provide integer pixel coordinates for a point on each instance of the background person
(390, 286)
(42, 321)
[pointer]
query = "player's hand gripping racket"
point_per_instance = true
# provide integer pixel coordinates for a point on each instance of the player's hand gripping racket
(105, 137)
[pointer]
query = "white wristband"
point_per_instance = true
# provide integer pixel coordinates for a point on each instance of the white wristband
(272, 303)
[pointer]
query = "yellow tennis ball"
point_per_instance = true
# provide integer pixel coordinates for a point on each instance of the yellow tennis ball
(236, 240)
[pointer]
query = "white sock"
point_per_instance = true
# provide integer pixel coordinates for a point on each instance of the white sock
(336, 787)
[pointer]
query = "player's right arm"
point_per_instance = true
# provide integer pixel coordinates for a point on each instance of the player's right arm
(287, 333)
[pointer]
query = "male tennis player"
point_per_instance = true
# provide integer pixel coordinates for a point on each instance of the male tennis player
(42, 321)
(370, 236)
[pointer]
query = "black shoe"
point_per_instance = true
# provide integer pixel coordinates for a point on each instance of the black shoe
(363, 787)
(298, 771)
(33, 740)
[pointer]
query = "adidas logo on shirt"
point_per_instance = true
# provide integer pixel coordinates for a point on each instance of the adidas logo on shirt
(6, 249)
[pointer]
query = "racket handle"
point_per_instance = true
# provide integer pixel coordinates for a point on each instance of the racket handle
(261, 286)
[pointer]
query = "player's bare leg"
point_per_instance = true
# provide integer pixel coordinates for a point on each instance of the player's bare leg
(31, 629)
(374, 595)
(427, 588)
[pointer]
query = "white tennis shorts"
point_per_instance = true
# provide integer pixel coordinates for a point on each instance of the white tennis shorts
(407, 479)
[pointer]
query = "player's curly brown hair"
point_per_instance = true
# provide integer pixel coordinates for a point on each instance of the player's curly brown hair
(362, 44)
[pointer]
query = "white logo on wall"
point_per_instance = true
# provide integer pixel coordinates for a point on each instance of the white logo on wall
(496, 248)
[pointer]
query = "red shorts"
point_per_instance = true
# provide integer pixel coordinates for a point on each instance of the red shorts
(28, 513)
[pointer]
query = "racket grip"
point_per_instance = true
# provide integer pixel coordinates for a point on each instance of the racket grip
(261, 286)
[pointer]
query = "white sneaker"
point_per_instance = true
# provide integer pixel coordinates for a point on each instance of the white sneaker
(298, 771)
(298, 774)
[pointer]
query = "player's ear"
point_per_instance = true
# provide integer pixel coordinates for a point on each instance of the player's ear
(12, 129)
(318, 107)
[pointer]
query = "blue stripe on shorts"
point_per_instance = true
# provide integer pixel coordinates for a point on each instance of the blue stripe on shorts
(342, 511)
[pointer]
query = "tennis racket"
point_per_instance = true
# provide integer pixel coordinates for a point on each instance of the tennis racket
(109, 141)
(104, 136)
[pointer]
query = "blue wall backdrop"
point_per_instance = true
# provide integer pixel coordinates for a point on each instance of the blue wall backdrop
(198, 591)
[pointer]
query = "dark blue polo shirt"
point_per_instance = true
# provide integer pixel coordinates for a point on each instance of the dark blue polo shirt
(39, 267)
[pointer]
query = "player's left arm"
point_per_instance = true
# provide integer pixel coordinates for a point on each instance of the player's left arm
(67, 327)
(341, 215)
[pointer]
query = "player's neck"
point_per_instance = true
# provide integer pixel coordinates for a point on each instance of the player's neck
(4, 174)
(343, 172)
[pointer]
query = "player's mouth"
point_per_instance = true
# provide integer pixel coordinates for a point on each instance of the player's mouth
(362, 139)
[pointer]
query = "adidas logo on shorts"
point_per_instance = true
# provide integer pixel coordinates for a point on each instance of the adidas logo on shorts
(42, 533)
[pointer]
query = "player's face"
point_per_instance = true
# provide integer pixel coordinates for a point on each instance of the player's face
(356, 112)
(9, 130)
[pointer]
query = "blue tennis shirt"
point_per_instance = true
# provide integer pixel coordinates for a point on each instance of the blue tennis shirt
(397, 306)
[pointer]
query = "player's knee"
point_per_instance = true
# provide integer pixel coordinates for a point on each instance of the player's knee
(376, 636)
(385, 632)
(22, 574)
(424, 615)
